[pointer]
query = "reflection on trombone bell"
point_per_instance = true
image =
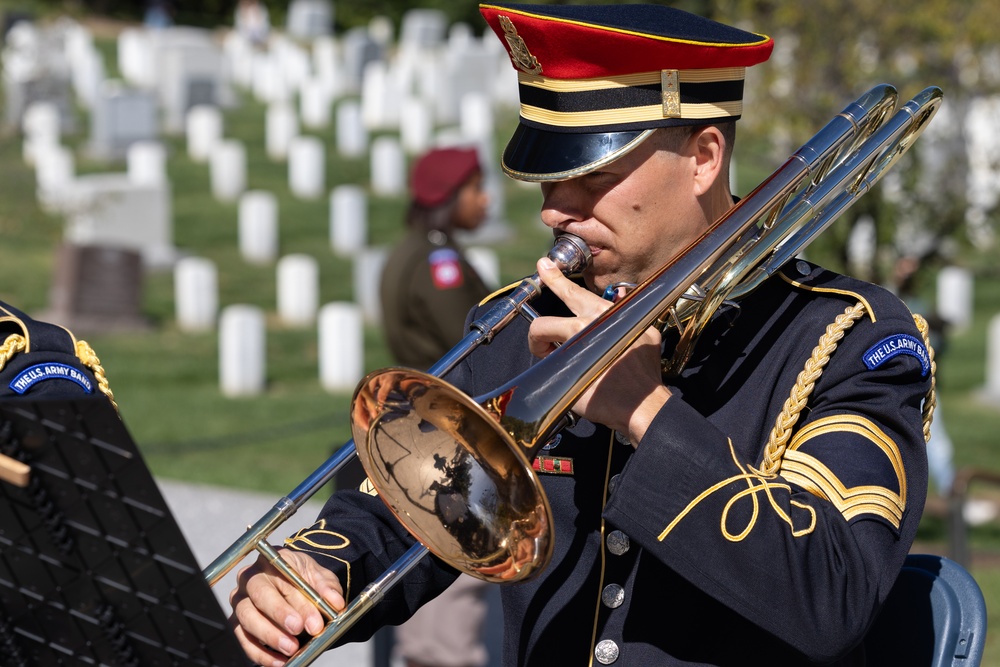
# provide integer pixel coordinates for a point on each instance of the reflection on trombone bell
(442, 464)
(456, 470)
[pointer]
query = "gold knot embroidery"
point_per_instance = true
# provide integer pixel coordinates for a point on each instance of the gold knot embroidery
(306, 537)
(519, 53)
(757, 482)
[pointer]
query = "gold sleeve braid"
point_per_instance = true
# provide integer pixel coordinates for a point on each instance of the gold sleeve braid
(806, 381)
(16, 343)
(765, 479)
(90, 360)
(804, 385)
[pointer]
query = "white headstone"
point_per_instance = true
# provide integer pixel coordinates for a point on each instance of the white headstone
(242, 351)
(388, 166)
(367, 276)
(189, 69)
(293, 60)
(476, 116)
(992, 389)
(307, 167)
(268, 79)
(326, 61)
(348, 219)
(204, 131)
(146, 163)
(258, 226)
(359, 49)
(954, 296)
(282, 125)
(88, 73)
(298, 289)
(416, 125)
(239, 57)
(228, 169)
(380, 94)
(315, 103)
(486, 263)
(41, 119)
(120, 117)
(310, 18)
(423, 28)
(341, 346)
(352, 137)
(134, 56)
(55, 169)
(196, 293)
(109, 209)
(468, 67)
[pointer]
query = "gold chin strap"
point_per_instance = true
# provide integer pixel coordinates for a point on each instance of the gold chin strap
(16, 344)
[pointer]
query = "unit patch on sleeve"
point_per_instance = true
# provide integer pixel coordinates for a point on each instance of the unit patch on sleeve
(895, 345)
(446, 270)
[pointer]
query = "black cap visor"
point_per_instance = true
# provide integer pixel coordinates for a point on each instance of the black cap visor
(536, 155)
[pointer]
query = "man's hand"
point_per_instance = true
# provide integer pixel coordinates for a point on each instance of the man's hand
(627, 396)
(269, 613)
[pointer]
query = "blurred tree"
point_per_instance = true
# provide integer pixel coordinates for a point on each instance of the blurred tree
(830, 51)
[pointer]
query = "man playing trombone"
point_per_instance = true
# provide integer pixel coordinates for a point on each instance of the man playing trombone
(747, 494)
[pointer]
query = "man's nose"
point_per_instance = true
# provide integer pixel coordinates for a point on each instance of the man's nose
(559, 205)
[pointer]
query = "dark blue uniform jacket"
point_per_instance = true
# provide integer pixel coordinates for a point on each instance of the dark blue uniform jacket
(685, 550)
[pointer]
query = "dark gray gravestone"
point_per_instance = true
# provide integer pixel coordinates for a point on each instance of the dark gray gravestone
(97, 288)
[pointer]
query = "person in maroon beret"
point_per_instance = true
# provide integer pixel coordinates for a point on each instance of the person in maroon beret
(428, 285)
(752, 505)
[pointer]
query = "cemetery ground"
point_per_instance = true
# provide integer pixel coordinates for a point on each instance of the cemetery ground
(165, 381)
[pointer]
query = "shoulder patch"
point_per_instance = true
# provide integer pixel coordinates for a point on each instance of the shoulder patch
(446, 269)
(895, 345)
(32, 375)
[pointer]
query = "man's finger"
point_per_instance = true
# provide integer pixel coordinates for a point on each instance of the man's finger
(578, 299)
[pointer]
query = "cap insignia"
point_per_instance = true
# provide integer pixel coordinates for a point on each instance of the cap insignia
(671, 91)
(519, 53)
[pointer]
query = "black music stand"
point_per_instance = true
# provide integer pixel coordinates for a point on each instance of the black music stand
(93, 567)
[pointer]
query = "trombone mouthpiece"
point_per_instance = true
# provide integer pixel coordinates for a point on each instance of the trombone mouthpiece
(570, 253)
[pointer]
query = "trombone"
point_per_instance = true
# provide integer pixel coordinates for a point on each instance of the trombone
(468, 493)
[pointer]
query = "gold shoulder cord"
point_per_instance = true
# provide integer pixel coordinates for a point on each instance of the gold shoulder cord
(16, 343)
(930, 402)
(804, 385)
(806, 382)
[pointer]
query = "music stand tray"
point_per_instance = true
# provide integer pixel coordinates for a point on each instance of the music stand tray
(94, 569)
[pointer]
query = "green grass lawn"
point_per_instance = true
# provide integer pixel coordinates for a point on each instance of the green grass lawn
(166, 381)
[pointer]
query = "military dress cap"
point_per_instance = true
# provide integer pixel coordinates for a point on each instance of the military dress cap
(596, 80)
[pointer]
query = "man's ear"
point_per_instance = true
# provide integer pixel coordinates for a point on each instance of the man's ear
(708, 148)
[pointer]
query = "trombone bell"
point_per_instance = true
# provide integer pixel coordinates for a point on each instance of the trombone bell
(447, 470)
